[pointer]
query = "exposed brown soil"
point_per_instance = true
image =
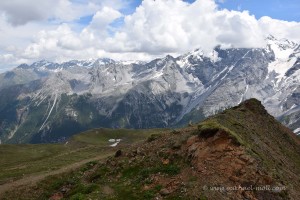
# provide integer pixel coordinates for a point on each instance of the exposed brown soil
(223, 165)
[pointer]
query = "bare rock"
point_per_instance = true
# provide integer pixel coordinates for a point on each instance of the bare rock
(118, 153)
(164, 192)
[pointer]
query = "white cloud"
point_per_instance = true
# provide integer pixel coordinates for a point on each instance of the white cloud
(98, 27)
(173, 26)
(154, 29)
(20, 12)
(280, 29)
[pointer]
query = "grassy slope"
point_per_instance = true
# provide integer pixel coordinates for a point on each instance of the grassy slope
(103, 176)
(22, 160)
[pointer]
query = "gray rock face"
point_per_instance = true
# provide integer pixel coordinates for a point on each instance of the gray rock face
(48, 102)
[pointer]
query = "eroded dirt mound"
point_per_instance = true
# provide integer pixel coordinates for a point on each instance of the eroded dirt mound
(223, 164)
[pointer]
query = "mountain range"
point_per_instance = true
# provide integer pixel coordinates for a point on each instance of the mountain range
(49, 102)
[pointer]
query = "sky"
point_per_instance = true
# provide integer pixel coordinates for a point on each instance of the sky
(62, 30)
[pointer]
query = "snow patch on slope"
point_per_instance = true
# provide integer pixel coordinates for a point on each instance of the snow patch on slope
(285, 57)
(297, 131)
(214, 56)
(244, 94)
(114, 141)
(281, 66)
(54, 102)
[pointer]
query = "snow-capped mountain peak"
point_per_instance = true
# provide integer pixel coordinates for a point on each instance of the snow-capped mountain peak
(104, 61)
(282, 48)
(285, 55)
(189, 58)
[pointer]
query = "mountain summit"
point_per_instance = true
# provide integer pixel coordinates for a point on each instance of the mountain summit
(48, 102)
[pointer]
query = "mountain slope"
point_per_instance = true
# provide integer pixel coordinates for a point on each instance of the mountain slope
(23, 164)
(54, 101)
(241, 153)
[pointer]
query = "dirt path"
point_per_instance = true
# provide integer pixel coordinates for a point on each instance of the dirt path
(32, 179)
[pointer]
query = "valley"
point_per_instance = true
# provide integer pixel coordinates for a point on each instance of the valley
(29, 163)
